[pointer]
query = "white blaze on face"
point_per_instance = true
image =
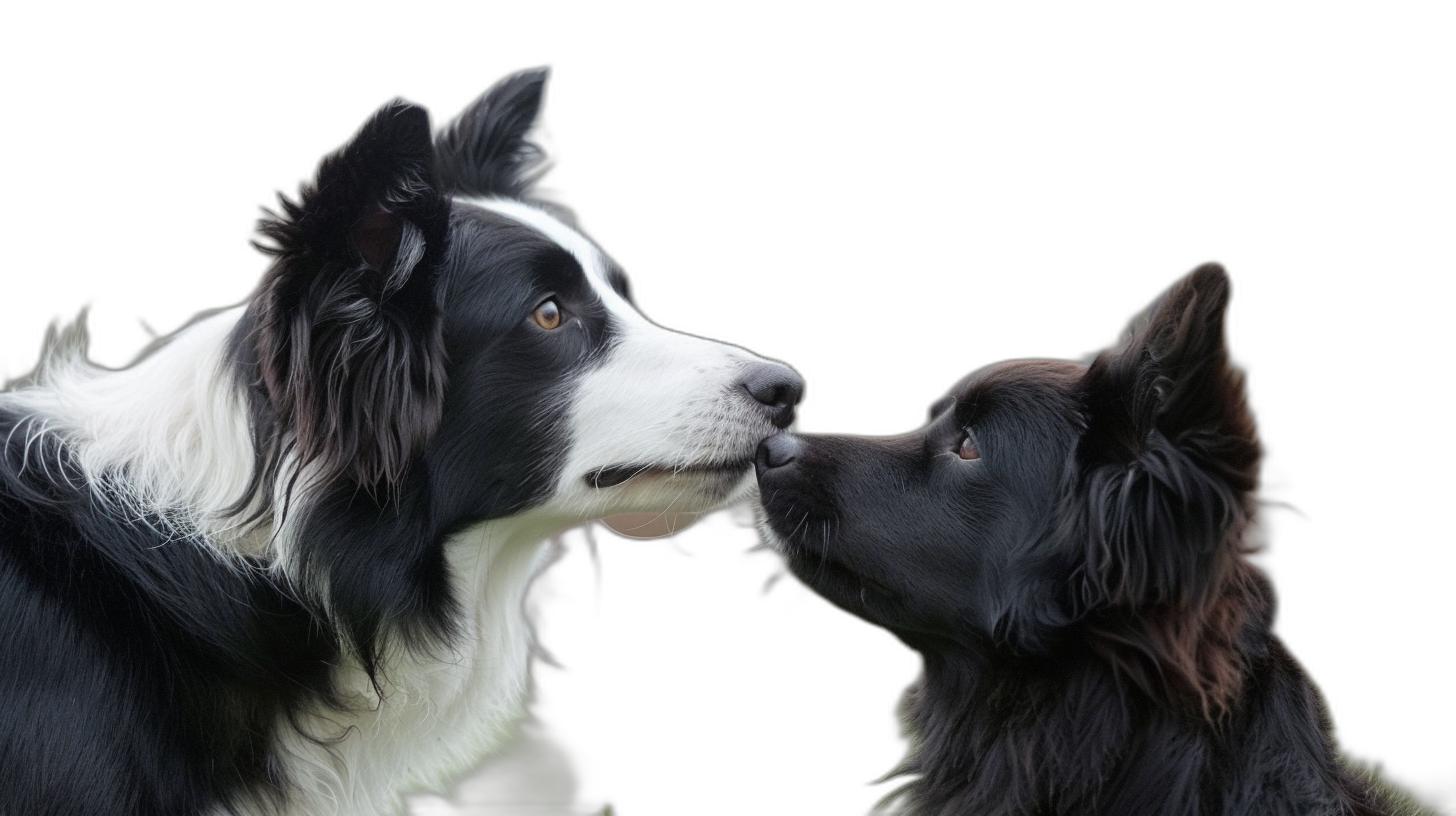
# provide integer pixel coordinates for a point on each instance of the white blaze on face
(666, 402)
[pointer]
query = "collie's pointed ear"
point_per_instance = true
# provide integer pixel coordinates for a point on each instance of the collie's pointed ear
(1169, 458)
(345, 327)
(484, 152)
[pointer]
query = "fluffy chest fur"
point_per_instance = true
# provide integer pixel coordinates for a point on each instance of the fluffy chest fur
(437, 712)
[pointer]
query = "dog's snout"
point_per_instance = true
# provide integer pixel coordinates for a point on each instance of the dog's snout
(776, 389)
(776, 451)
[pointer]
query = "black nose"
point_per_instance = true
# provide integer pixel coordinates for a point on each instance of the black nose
(776, 389)
(776, 451)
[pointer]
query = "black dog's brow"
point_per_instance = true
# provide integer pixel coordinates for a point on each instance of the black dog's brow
(939, 406)
(968, 406)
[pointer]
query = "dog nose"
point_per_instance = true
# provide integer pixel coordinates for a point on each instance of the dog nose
(776, 388)
(776, 451)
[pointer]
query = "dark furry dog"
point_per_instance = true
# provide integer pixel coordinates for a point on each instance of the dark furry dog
(1065, 545)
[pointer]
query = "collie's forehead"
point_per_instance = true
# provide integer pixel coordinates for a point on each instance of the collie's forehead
(599, 270)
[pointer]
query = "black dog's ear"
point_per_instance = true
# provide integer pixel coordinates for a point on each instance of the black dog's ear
(1169, 457)
(484, 152)
(345, 328)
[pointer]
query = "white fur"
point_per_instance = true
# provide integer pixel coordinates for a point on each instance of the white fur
(441, 713)
(169, 433)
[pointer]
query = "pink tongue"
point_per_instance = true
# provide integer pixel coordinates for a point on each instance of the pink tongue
(650, 525)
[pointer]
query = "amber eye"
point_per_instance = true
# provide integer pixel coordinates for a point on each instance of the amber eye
(968, 449)
(547, 315)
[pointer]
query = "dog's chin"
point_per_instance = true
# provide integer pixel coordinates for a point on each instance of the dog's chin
(846, 588)
(655, 501)
(650, 525)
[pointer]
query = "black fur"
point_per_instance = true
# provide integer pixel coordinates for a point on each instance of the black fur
(1095, 640)
(130, 654)
(345, 328)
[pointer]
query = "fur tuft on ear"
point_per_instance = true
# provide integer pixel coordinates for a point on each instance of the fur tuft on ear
(1169, 455)
(484, 152)
(344, 332)
(1166, 470)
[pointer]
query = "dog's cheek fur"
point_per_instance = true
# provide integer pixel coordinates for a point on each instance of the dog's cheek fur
(1158, 514)
(831, 533)
(907, 559)
(506, 427)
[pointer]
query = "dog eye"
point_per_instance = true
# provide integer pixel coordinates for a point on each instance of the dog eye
(548, 314)
(968, 449)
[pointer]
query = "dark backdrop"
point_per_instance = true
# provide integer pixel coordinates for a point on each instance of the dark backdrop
(883, 225)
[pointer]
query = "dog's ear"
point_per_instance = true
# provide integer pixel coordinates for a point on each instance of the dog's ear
(484, 152)
(1169, 458)
(346, 327)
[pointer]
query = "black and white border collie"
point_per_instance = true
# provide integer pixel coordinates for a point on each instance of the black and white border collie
(1066, 547)
(277, 565)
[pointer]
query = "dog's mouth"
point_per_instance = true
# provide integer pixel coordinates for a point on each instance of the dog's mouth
(619, 474)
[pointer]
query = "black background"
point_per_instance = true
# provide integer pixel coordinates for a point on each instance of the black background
(884, 223)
